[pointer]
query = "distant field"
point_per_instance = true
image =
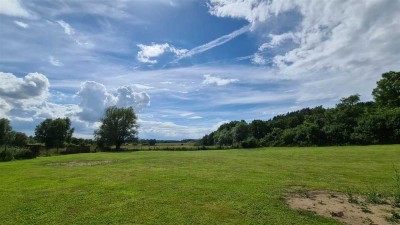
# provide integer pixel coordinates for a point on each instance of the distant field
(190, 187)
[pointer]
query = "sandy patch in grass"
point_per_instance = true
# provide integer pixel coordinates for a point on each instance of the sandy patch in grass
(337, 206)
(74, 163)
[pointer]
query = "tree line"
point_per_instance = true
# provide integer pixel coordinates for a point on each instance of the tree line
(350, 122)
(118, 125)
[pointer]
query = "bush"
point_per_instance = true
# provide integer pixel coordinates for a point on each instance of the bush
(16, 153)
(6, 155)
(250, 142)
(23, 153)
(76, 149)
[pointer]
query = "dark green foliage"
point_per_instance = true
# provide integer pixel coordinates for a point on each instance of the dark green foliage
(259, 129)
(54, 133)
(19, 139)
(352, 199)
(6, 155)
(374, 197)
(240, 132)
(351, 122)
(81, 141)
(5, 132)
(152, 142)
(250, 142)
(395, 218)
(223, 138)
(76, 149)
(387, 92)
(117, 127)
(16, 153)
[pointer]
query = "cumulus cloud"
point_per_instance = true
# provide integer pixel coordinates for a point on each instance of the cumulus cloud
(95, 98)
(147, 52)
(55, 62)
(209, 79)
(13, 8)
(53, 110)
(4, 108)
(15, 89)
(21, 24)
(127, 97)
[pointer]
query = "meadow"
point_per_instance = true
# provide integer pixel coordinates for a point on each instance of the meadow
(246, 186)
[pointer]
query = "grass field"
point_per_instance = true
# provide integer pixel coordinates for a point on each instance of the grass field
(199, 187)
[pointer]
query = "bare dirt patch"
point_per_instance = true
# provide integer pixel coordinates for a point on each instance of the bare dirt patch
(74, 163)
(347, 209)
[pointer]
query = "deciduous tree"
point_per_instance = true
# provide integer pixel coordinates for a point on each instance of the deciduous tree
(118, 126)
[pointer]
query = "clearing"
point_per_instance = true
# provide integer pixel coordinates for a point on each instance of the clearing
(191, 187)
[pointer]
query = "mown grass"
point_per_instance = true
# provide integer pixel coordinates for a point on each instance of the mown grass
(199, 187)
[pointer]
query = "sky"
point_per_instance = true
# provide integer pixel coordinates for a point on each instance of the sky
(187, 66)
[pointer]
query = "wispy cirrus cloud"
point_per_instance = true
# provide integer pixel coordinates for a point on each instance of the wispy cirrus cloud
(55, 62)
(214, 43)
(209, 79)
(67, 28)
(21, 24)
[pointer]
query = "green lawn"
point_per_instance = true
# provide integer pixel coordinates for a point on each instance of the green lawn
(199, 187)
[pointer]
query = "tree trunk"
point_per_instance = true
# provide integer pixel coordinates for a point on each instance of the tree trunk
(117, 146)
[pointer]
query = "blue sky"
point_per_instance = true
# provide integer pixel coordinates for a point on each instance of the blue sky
(187, 66)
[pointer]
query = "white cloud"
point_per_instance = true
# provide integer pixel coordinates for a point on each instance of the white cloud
(277, 39)
(330, 35)
(143, 87)
(13, 8)
(34, 86)
(21, 24)
(209, 79)
(55, 62)
(67, 28)
(195, 117)
(214, 43)
(147, 52)
(4, 108)
(258, 59)
(52, 110)
(95, 98)
(170, 130)
(126, 97)
(254, 11)
(185, 114)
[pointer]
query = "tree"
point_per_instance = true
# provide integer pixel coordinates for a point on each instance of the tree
(117, 126)
(19, 139)
(54, 133)
(349, 101)
(240, 132)
(387, 91)
(5, 132)
(259, 128)
(223, 138)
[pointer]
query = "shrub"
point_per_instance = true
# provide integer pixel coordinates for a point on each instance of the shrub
(76, 149)
(250, 142)
(6, 155)
(16, 153)
(23, 153)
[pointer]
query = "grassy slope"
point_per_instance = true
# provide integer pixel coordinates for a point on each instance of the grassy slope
(201, 187)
